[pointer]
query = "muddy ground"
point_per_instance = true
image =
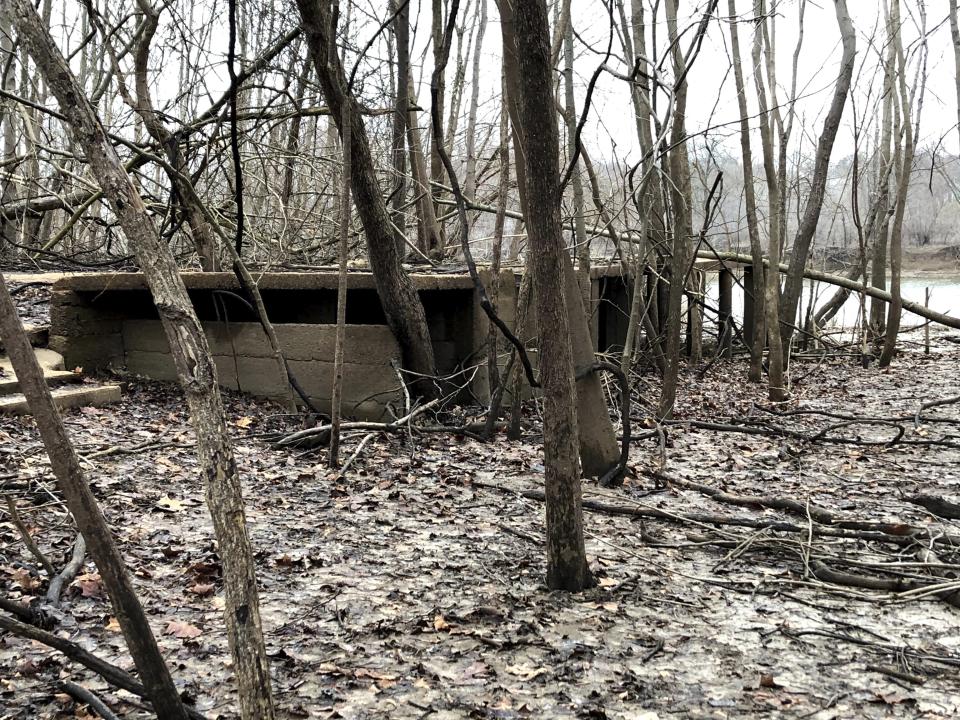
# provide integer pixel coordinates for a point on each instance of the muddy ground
(413, 587)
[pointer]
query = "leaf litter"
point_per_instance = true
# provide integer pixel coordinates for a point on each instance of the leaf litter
(413, 587)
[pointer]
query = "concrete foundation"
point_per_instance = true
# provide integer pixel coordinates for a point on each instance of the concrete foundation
(109, 320)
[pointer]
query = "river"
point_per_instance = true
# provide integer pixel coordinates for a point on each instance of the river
(944, 297)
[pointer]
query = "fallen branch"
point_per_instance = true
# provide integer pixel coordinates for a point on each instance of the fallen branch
(111, 673)
(33, 616)
(801, 509)
(869, 582)
(27, 538)
(915, 308)
(937, 505)
(321, 434)
(897, 674)
(933, 404)
(81, 694)
(902, 535)
(69, 572)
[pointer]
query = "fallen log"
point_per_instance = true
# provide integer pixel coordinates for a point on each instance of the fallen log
(941, 507)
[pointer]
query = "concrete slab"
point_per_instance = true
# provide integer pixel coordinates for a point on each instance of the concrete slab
(356, 279)
(85, 396)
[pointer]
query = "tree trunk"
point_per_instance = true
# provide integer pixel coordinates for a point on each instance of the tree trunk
(777, 389)
(955, 36)
(905, 167)
(401, 29)
(430, 238)
(191, 357)
(581, 242)
(200, 231)
(86, 512)
(598, 443)
(566, 556)
(680, 194)
(753, 226)
(399, 298)
(793, 285)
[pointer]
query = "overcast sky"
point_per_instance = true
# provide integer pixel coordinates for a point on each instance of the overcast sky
(711, 98)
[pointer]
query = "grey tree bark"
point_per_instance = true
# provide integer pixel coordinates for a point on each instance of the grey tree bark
(399, 298)
(793, 285)
(86, 512)
(753, 226)
(566, 555)
(598, 443)
(191, 356)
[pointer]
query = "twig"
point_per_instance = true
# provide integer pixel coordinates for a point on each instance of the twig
(941, 507)
(933, 404)
(80, 693)
(898, 674)
(397, 425)
(356, 453)
(27, 539)
(69, 572)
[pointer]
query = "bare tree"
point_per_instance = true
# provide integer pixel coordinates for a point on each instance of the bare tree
(566, 556)
(86, 511)
(598, 444)
(399, 299)
(191, 355)
(753, 227)
(793, 284)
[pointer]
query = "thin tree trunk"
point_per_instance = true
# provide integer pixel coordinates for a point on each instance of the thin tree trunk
(470, 175)
(793, 285)
(86, 512)
(191, 356)
(431, 239)
(581, 243)
(566, 556)
(401, 304)
(598, 443)
(776, 381)
(905, 167)
(680, 194)
(333, 458)
(753, 225)
(401, 28)
(955, 36)
(143, 105)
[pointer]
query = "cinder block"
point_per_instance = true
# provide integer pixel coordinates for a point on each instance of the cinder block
(360, 381)
(226, 371)
(89, 351)
(65, 398)
(145, 336)
(156, 365)
(260, 376)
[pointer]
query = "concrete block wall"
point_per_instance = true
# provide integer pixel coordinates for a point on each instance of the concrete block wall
(87, 336)
(103, 320)
(245, 363)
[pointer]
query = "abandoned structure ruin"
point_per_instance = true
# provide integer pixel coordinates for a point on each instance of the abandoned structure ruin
(101, 321)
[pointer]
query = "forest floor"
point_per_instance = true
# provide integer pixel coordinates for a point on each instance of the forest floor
(413, 587)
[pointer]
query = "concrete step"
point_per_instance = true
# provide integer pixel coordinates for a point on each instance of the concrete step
(9, 385)
(67, 397)
(50, 362)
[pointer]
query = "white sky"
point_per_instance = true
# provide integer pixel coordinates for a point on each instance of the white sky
(711, 96)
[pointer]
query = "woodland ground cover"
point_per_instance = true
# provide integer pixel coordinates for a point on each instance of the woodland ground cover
(413, 586)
